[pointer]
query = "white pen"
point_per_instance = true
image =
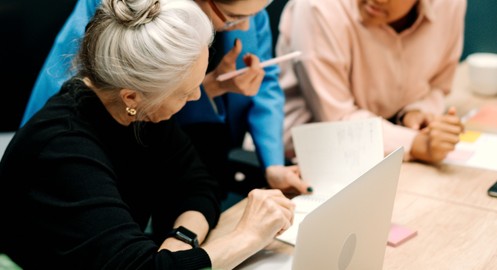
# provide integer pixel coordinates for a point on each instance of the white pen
(470, 114)
(273, 61)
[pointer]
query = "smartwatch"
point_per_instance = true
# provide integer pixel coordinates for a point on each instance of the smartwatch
(183, 234)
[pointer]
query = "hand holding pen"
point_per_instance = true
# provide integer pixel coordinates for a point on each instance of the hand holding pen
(246, 84)
(269, 62)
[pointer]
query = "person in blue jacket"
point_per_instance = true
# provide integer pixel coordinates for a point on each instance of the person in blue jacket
(217, 123)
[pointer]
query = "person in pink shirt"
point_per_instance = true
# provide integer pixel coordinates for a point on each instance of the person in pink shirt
(365, 58)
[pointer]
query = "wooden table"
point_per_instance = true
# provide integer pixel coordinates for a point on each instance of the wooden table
(447, 204)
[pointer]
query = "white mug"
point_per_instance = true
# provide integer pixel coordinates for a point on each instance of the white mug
(482, 68)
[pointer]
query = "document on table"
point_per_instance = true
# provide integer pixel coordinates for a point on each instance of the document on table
(330, 156)
(475, 149)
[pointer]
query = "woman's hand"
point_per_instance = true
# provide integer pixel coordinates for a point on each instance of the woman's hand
(267, 214)
(286, 179)
(416, 119)
(247, 84)
(440, 137)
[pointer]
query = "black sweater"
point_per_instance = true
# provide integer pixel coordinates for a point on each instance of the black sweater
(77, 189)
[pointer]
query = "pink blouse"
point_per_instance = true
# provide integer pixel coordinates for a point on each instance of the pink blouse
(349, 70)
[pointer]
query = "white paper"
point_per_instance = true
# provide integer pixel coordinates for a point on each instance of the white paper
(479, 152)
(330, 156)
(267, 260)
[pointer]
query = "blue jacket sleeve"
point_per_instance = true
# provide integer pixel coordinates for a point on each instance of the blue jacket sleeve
(266, 114)
(57, 67)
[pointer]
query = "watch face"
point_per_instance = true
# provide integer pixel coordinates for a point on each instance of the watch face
(185, 235)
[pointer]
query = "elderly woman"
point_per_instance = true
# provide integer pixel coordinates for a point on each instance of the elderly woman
(81, 179)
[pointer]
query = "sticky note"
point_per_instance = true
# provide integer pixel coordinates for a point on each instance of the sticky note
(469, 136)
(399, 234)
(484, 119)
(460, 155)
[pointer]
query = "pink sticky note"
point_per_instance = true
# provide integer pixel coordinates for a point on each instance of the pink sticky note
(399, 234)
(460, 155)
(486, 115)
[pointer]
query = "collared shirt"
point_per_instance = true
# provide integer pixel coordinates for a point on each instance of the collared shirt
(350, 70)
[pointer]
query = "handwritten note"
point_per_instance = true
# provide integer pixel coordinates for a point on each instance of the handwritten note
(331, 155)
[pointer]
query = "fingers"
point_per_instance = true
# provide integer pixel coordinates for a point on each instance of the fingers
(450, 118)
(296, 182)
(287, 179)
(283, 201)
(261, 195)
(451, 111)
(434, 142)
(448, 124)
(269, 207)
(302, 186)
(287, 208)
(442, 129)
(294, 169)
(454, 118)
(247, 83)
(416, 120)
(250, 81)
(232, 55)
(251, 60)
(442, 137)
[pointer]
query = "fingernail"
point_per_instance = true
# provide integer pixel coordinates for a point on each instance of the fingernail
(309, 189)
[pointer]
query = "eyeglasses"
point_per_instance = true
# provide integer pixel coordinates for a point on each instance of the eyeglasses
(227, 23)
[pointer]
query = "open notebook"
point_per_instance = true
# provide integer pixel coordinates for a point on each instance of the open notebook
(331, 155)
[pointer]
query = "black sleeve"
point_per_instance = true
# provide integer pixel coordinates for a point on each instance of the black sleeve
(89, 224)
(197, 189)
(189, 259)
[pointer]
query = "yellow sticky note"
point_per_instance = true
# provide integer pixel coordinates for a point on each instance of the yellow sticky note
(469, 136)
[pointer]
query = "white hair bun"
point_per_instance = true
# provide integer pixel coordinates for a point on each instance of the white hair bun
(134, 12)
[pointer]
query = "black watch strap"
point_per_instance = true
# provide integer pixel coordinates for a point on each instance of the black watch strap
(183, 234)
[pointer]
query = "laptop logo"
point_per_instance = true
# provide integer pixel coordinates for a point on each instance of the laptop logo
(347, 252)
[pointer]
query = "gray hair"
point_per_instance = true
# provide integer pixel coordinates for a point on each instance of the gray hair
(145, 45)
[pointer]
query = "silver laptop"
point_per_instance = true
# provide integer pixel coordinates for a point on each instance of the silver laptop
(349, 230)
